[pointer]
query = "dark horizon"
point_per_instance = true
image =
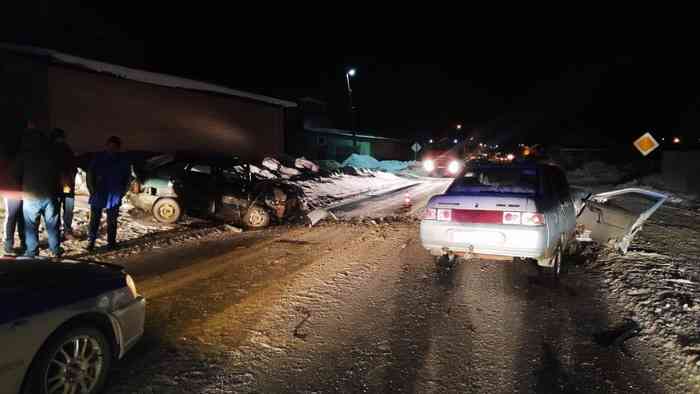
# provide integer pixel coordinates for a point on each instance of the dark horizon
(504, 95)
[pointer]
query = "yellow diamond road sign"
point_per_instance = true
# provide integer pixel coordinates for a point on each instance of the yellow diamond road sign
(646, 144)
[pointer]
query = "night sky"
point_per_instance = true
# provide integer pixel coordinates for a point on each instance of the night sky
(501, 94)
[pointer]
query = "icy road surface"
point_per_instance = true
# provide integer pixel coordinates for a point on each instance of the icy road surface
(345, 307)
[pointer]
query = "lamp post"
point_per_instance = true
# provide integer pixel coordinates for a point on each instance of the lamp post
(348, 74)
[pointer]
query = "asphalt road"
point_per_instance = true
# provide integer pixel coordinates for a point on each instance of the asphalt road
(347, 307)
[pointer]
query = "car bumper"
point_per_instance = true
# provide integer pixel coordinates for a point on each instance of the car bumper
(483, 239)
(129, 324)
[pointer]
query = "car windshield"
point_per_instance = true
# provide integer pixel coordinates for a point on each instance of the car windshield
(495, 179)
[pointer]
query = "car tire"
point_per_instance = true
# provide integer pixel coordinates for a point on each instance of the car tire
(555, 270)
(90, 368)
(256, 217)
(167, 210)
(445, 262)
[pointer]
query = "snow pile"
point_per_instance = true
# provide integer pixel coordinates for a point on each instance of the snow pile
(262, 172)
(369, 162)
(595, 172)
(394, 165)
(321, 192)
(361, 161)
(304, 164)
(275, 165)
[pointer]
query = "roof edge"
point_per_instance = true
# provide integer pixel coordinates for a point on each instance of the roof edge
(142, 75)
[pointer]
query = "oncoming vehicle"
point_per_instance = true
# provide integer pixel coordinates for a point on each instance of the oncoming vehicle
(63, 323)
(443, 158)
(221, 187)
(503, 211)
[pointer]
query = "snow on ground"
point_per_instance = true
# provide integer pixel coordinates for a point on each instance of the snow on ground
(595, 172)
(656, 183)
(369, 162)
(321, 192)
(138, 231)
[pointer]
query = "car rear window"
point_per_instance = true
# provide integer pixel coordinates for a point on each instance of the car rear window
(509, 180)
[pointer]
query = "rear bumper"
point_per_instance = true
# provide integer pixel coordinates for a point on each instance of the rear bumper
(483, 239)
(130, 320)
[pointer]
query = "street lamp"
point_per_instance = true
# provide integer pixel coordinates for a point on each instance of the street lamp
(431, 141)
(459, 127)
(351, 73)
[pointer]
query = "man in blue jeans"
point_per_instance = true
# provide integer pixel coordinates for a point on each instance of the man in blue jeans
(108, 179)
(10, 191)
(38, 170)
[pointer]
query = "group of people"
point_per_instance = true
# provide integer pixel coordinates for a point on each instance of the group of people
(37, 180)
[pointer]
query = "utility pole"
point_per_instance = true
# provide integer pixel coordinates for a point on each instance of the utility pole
(348, 74)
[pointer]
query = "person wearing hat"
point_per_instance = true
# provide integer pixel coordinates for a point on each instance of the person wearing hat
(108, 179)
(66, 197)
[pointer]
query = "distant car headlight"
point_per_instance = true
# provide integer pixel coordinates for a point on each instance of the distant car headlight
(453, 167)
(131, 285)
(428, 165)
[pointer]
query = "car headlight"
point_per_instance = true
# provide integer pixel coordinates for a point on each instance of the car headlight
(453, 167)
(131, 285)
(428, 165)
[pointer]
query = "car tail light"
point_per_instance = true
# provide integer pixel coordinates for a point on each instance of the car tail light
(511, 217)
(430, 214)
(444, 215)
(532, 219)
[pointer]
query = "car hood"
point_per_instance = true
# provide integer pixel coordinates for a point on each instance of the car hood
(33, 286)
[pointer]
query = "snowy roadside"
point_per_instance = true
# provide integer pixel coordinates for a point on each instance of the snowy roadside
(656, 284)
(138, 232)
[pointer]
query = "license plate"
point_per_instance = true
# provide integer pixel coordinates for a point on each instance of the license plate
(478, 237)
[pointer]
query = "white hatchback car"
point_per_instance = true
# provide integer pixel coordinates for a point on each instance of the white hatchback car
(503, 211)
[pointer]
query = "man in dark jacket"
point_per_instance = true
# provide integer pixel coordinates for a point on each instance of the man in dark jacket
(11, 193)
(66, 198)
(38, 170)
(108, 179)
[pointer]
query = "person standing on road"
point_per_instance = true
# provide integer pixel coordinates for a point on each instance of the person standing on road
(108, 179)
(66, 199)
(11, 193)
(38, 170)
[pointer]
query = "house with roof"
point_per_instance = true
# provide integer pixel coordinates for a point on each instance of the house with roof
(155, 112)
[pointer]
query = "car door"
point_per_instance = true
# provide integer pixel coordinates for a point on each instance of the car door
(550, 207)
(614, 218)
(19, 334)
(199, 185)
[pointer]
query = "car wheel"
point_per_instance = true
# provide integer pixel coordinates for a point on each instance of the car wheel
(167, 210)
(256, 217)
(555, 270)
(74, 361)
